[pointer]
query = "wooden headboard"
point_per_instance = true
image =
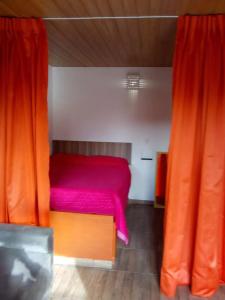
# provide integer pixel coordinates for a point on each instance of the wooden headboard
(93, 148)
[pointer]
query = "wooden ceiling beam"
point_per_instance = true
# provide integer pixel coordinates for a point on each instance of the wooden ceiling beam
(93, 8)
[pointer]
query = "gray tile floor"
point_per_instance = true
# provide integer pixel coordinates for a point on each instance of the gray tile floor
(135, 274)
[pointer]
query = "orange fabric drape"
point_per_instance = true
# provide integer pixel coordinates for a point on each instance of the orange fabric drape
(194, 243)
(24, 149)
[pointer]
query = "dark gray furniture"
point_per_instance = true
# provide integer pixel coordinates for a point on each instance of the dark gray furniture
(26, 255)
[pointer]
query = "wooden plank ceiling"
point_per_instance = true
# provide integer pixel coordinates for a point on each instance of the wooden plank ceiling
(110, 43)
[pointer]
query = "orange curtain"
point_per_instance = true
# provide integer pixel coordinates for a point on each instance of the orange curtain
(24, 149)
(194, 244)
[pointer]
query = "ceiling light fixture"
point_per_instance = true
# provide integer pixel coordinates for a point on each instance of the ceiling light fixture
(133, 81)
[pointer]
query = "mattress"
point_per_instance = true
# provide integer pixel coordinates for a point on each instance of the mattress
(91, 184)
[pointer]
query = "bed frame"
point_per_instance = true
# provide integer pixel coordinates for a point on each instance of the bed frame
(86, 239)
(160, 184)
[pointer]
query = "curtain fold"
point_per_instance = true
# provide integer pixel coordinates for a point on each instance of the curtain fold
(24, 149)
(194, 233)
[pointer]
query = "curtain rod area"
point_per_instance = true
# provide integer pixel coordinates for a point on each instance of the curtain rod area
(108, 18)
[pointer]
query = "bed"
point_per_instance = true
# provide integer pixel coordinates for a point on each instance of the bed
(89, 196)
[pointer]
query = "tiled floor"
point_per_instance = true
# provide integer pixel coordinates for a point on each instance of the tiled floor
(136, 272)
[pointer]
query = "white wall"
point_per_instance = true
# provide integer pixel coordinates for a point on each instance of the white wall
(50, 103)
(92, 104)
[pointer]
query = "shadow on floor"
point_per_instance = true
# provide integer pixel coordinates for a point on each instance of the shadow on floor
(25, 262)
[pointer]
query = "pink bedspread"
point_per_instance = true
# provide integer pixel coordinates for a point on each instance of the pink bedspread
(91, 184)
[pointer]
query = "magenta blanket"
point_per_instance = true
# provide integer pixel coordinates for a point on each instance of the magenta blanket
(91, 184)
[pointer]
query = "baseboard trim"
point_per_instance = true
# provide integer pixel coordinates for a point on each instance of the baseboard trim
(82, 262)
(145, 202)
